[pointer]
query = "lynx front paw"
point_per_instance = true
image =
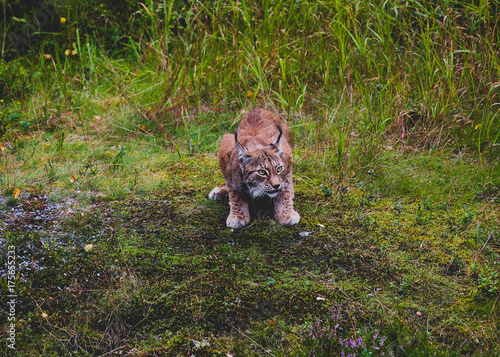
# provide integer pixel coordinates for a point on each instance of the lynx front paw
(291, 218)
(236, 222)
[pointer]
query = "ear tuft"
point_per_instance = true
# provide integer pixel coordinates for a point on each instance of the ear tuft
(242, 151)
(277, 142)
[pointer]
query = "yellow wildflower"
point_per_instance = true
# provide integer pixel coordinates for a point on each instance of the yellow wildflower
(250, 94)
(63, 20)
(67, 52)
(478, 126)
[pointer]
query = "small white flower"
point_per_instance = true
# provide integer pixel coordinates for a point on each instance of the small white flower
(88, 247)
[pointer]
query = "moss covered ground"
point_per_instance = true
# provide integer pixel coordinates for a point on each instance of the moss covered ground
(139, 261)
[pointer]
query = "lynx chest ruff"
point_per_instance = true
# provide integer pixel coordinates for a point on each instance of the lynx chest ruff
(256, 161)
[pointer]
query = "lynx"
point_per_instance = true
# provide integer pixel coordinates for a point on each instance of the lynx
(257, 162)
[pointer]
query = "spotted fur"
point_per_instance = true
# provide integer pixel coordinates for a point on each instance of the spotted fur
(256, 161)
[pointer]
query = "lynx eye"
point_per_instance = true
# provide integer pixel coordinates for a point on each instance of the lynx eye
(262, 172)
(279, 169)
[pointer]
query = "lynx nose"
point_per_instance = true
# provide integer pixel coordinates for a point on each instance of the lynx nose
(276, 187)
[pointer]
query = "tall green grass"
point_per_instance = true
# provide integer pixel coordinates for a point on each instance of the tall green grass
(353, 76)
(413, 67)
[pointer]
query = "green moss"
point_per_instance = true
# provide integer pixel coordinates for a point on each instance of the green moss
(164, 265)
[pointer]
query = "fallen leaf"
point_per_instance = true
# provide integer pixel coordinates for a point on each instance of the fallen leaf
(16, 193)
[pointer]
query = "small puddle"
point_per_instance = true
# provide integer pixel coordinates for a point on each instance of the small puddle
(35, 214)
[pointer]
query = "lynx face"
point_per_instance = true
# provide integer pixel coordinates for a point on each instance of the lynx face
(264, 173)
(262, 168)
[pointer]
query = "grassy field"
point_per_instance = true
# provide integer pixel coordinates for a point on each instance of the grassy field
(110, 117)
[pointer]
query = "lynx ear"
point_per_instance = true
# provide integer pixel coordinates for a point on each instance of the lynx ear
(277, 142)
(242, 151)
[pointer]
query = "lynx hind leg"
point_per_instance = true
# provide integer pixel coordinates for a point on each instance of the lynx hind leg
(283, 208)
(218, 193)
